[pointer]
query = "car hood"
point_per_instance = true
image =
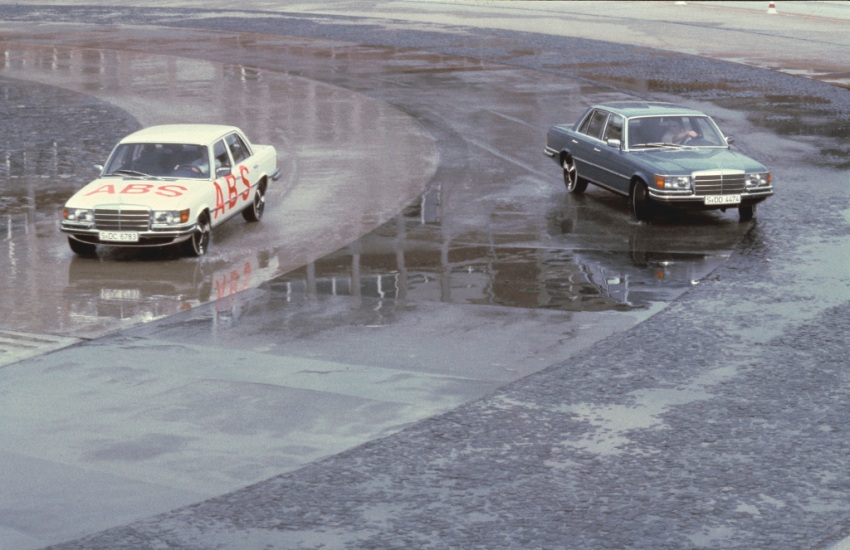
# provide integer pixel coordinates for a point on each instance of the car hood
(151, 193)
(687, 160)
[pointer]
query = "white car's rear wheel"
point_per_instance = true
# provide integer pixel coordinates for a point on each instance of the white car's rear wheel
(254, 211)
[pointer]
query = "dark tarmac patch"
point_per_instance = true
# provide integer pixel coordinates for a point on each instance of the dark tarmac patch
(52, 138)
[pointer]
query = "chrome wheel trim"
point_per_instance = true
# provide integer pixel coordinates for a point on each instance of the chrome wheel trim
(570, 175)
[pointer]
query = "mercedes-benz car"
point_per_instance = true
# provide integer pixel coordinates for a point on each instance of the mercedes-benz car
(657, 153)
(170, 185)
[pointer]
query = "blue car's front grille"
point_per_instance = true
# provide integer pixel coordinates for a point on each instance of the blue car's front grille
(718, 183)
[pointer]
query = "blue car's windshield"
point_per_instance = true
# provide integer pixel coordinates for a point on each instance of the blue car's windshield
(673, 131)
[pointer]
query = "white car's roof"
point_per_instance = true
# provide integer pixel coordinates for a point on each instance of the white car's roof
(199, 134)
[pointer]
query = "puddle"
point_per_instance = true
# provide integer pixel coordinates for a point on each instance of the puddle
(579, 271)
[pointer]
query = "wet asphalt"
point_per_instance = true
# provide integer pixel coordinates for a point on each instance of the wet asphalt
(718, 422)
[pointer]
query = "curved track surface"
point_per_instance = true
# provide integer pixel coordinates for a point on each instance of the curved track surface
(421, 261)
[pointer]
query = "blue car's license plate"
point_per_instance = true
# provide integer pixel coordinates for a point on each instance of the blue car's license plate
(723, 199)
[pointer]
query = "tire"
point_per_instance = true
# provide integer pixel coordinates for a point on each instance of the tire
(572, 181)
(641, 203)
(198, 244)
(80, 248)
(254, 211)
(746, 212)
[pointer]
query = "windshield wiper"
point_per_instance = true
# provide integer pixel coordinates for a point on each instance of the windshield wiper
(665, 144)
(135, 173)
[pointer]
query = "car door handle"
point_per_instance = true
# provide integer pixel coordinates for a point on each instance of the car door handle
(596, 149)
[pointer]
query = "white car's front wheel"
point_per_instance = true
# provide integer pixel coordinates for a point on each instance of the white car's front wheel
(80, 248)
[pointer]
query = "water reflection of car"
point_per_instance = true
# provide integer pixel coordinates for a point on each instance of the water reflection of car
(143, 289)
(168, 185)
(135, 290)
(657, 153)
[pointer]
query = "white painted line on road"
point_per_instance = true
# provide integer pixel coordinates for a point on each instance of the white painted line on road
(513, 160)
(512, 119)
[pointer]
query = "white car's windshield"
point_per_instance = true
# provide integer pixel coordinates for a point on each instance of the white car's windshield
(673, 131)
(166, 160)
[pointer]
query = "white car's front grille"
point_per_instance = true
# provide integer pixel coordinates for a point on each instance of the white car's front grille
(121, 219)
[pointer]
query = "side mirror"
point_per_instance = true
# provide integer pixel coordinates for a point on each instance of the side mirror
(98, 168)
(616, 143)
(223, 171)
(730, 141)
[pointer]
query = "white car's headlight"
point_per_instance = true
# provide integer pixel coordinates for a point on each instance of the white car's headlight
(78, 215)
(757, 179)
(170, 217)
(674, 183)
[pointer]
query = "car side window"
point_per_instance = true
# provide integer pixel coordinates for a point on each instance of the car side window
(593, 124)
(222, 159)
(614, 129)
(238, 148)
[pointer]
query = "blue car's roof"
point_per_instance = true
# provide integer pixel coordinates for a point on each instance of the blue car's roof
(629, 109)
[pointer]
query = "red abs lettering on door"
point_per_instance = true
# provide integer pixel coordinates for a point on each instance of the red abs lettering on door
(222, 205)
(243, 171)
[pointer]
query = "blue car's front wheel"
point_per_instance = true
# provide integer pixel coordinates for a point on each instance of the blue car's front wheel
(746, 212)
(642, 206)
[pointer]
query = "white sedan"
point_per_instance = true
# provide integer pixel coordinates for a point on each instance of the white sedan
(168, 185)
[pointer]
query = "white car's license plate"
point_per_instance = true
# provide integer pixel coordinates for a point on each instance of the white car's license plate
(120, 294)
(119, 236)
(723, 199)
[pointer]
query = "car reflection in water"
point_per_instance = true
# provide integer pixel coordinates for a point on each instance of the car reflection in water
(654, 267)
(139, 288)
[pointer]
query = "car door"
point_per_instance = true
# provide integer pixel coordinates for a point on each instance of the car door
(587, 144)
(614, 166)
(245, 179)
(233, 181)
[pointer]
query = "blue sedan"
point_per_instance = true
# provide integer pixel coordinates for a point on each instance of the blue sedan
(657, 153)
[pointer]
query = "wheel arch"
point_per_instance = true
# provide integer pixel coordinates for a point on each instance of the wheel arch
(564, 155)
(636, 178)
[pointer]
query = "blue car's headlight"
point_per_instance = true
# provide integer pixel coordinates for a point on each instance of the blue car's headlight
(758, 179)
(674, 183)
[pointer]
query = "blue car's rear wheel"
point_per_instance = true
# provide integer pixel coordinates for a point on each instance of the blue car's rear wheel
(573, 182)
